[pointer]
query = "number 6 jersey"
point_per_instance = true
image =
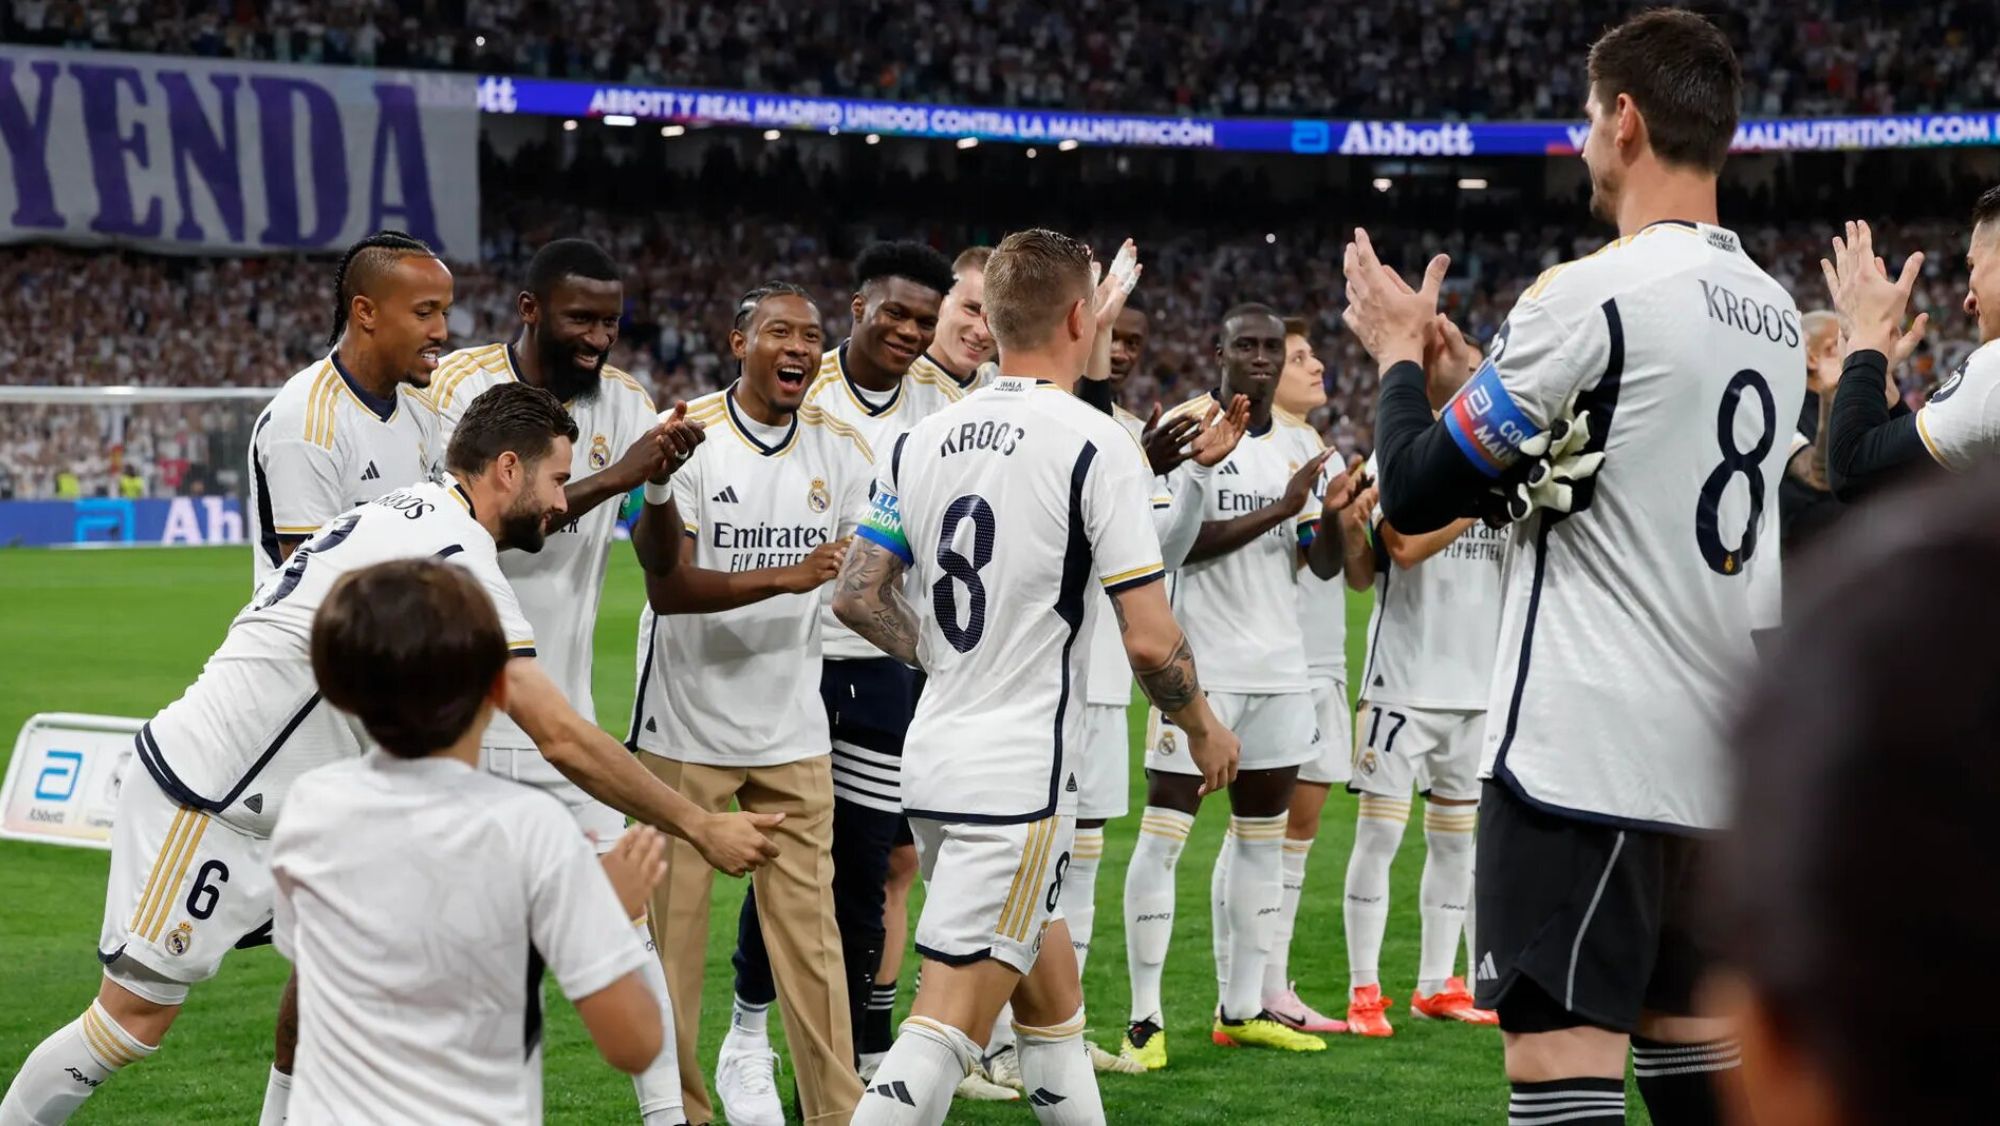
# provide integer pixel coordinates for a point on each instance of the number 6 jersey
(1007, 507)
(1626, 623)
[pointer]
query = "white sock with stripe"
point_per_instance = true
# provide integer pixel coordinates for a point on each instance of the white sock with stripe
(1149, 904)
(1278, 964)
(1218, 910)
(1378, 831)
(1254, 886)
(659, 1086)
(1079, 894)
(66, 1068)
(913, 1086)
(1446, 890)
(1056, 1071)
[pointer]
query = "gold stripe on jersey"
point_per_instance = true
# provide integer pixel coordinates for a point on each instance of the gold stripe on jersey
(180, 872)
(812, 414)
(1924, 432)
(102, 1042)
(929, 373)
(616, 376)
(160, 864)
(319, 406)
(1020, 905)
(1128, 576)
(460, 366)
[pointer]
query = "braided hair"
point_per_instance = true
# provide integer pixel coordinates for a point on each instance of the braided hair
(363, 264)
(746, 305)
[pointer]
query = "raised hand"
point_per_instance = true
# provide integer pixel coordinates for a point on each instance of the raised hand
(1869, 303)
(1220, 432)
(818, 568)
(1166, 446)
(1391, 320)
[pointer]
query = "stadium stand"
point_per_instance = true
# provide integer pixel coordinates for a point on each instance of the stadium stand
(1445, 58)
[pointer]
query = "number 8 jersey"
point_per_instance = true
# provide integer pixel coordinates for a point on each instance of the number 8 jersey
(1627, 622)
(1008, 506)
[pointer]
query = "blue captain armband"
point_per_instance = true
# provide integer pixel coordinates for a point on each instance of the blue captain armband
(884, 525)
(1487, 425)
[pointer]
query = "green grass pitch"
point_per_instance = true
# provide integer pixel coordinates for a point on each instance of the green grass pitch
(123, 632)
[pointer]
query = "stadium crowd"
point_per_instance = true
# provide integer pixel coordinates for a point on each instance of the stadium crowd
(1442, 58)
(98, 318)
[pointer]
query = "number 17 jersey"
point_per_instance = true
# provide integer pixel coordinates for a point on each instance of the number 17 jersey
(1007, 507)
(1626, 623)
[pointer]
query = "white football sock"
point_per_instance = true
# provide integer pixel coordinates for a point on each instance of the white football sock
(277, 1098)
(1079, 893)
(1378, 830)
(1278, 963)
(1252, 889)
(1149, 904)
(1056, 1070)
(1446, 889)
(914, 1084)
(1002, 1035)
(1218, 911)
(659, 1086)
(747, 1018)
(64, 1069)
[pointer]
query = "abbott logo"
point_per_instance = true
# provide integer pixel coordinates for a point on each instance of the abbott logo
(1393, 138)
(60, 771)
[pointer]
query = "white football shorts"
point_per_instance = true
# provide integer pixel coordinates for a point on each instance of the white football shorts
(1401, 749)
(601, 824)
(1104, 770)
(1275, 731)
(184, 889)
(1333, 735)
(990, 890)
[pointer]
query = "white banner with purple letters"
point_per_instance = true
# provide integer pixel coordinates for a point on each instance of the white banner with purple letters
(198, 156)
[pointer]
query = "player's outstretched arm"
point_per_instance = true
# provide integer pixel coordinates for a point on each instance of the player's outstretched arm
(1220, 537)
(1163, 663)
(869, 599)
(587, 756)
(1408, 551)
(623, 1018)
(651, 461)
(688, 589)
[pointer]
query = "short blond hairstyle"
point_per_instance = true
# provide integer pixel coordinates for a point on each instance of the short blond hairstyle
(1032, 279)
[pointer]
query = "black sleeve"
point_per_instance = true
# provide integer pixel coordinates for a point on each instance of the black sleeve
(1867, 444)
(1426, 480)
(1096, 392)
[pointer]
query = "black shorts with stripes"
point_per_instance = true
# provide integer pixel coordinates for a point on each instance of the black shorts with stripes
(1580, 923)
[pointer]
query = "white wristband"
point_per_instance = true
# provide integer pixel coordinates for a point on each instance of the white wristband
(659, 494)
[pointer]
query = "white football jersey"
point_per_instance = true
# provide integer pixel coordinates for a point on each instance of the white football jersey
(1625, 627)
(926, 389)
(1961, 422)
(324, 445)
(1323, 602)
(421, 901)
(559, 586)
(1432, 633)
(745, 684)
(236, 724)
(1241, 611)
(1110, 680)
(1007, 507)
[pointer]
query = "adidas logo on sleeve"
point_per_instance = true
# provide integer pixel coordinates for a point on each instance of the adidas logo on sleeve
(371, 473)
(726, 496)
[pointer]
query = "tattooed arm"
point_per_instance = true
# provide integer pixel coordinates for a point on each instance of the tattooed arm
(868, 597)
(1163, 662)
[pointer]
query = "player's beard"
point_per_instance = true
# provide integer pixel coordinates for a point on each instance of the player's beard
(524, 526)
(1603, 199)
(563, 378)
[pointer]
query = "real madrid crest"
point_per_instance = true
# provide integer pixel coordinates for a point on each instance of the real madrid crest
(817, 498)
(600, 452)
(1167, 742)
(179, 939)
(1368, 762)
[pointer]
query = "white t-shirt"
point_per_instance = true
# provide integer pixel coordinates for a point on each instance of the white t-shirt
(420, 902)
(1432, 633)
(1961, 422)
(744, 687)
(1625, 628)
(1323, 602)
(560, 585)
(235, 723)
(324, 445)
(1110, 679)
(878, 418)
(1006, 507)
(1241, 610)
